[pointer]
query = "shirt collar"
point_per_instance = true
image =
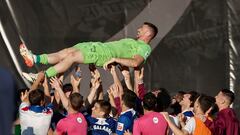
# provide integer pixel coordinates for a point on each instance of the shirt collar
(40, 109)
(129, 110)
(37, 108)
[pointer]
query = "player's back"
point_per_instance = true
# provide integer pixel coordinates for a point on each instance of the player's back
(34, 119)
(152, 123)
(73, 124)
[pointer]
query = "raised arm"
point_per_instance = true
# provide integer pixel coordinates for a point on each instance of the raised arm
(127, 77)
(138, 82)
(56, 84)
(38, 81)
(116, 79)
(24, 96)
(93, 93)
(75, 79)
(111, 97)
(172, 126)
(117, 100)
(46, 88)
(75, 83)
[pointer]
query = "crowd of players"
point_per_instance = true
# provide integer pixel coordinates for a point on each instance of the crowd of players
(51, 107)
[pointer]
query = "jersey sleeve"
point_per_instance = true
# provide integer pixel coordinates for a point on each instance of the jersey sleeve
(60, 130)
(23, 107)
(144, 51)
(89, 118)
(122, 125)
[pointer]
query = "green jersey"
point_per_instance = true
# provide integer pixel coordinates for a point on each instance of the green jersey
(99, 53)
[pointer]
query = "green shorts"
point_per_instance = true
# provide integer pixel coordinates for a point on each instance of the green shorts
(93, 52)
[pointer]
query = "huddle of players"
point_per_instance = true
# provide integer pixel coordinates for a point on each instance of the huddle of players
(125, 110)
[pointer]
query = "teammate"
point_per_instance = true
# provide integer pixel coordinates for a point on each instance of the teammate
(128, 52)
(100, 123)
(128, 114)
(156, 124)
(194, 126)
(74, 123)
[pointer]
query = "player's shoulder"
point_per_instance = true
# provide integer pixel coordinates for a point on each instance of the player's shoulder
(124, 118)
(80, 115)
(91, 119)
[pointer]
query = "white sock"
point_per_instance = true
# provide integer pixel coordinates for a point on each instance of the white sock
(34, 58)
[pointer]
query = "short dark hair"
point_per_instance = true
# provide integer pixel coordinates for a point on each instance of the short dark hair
(193, 96)
(229, 94)
(36, 96)
(105, 106)
(181, 92)
(206, 102)
(129, 98)
(76, 101)
(163, 100)
(67, 87)
(149, 101)
(154, 28)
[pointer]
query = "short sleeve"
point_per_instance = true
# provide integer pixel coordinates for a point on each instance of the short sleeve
(60, 128)
(190, 126)
(144, 51)
(22, 106)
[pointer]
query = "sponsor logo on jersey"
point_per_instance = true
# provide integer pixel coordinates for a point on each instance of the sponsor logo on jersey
(120, 126)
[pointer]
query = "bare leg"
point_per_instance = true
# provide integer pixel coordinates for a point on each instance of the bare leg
(66, 62)
(54, 58)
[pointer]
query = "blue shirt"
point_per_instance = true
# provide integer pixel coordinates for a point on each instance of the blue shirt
(100, 126)
(188, 114)
(40, 109)
(125, 121)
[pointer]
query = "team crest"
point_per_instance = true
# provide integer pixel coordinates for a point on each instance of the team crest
(155, 120)
(79, 120)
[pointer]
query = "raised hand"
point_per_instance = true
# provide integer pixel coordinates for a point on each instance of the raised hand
(113, 69)
(139, 73)
(106, 64)
(55, 83)
(24, 96)
(127, 132)
(127, 78)
(41, 76)
(95, 76)
(45, 82)
(96, 83)
(125, 72)
(75, 81)
(181, 117)
(115, 90)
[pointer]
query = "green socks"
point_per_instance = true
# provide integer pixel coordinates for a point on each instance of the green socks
(43, 59)
(51, 72)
